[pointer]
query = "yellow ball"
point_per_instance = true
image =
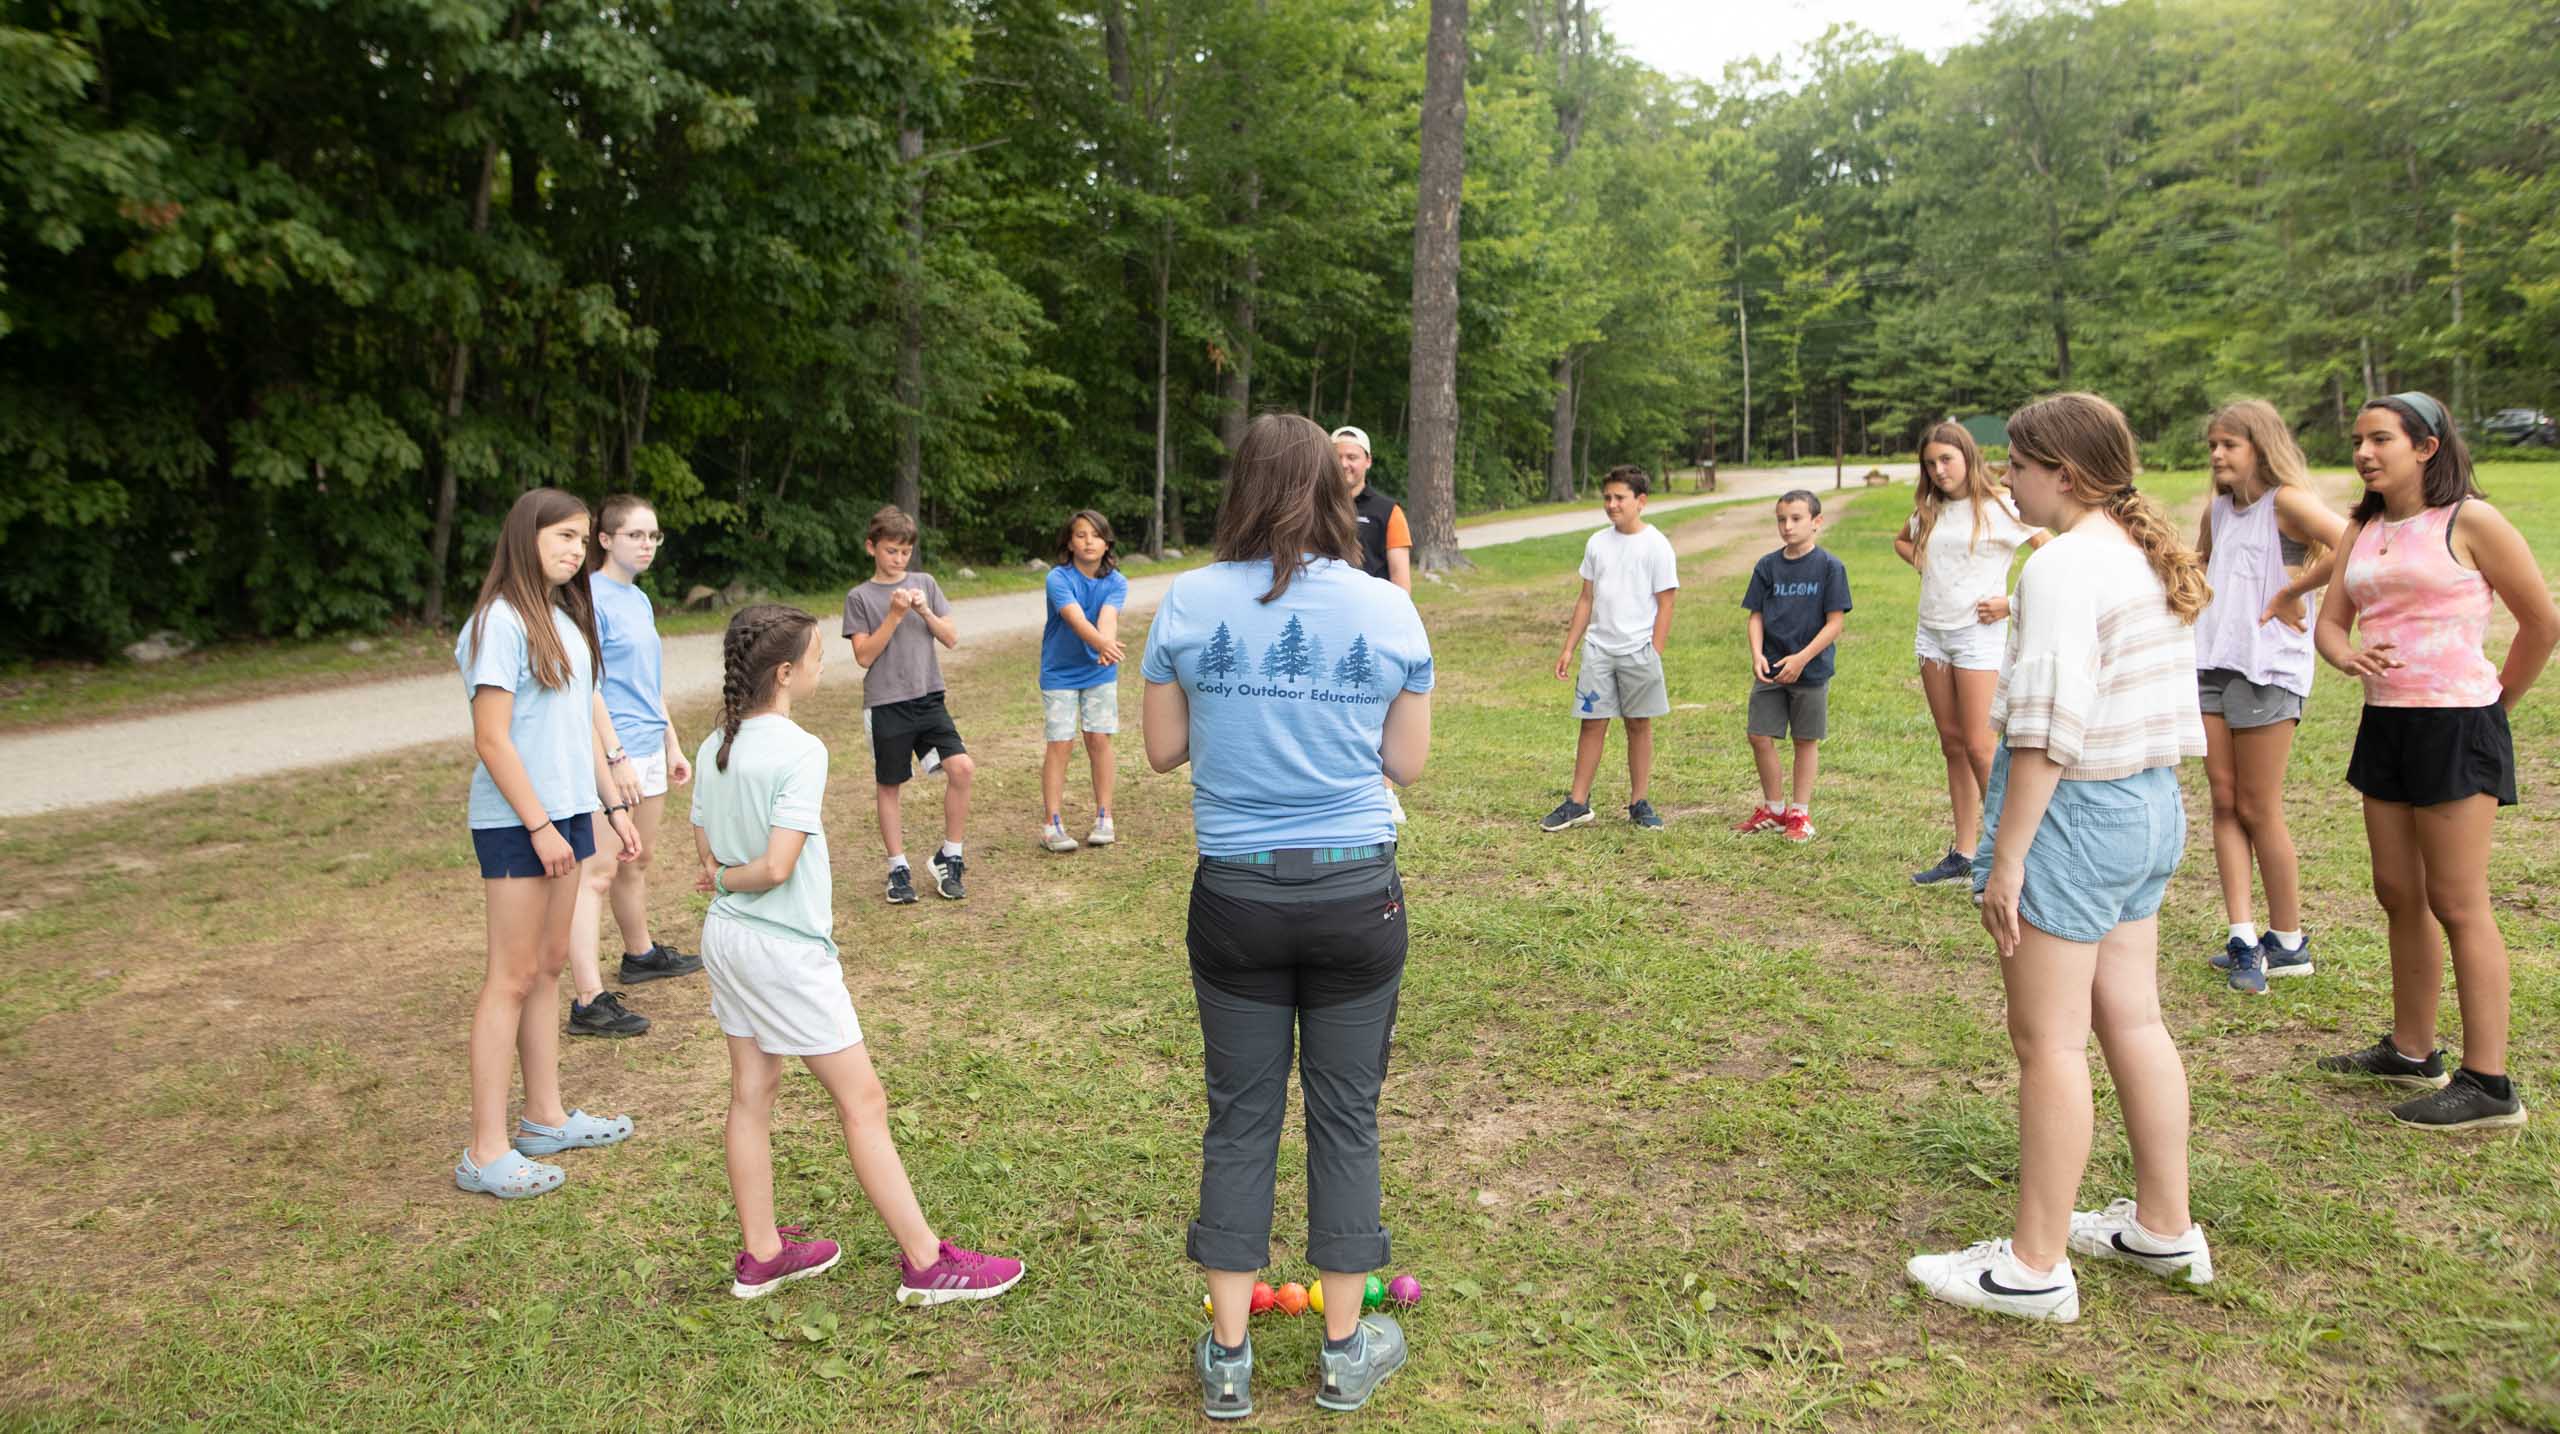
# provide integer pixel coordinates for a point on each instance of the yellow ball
(1315, 1296)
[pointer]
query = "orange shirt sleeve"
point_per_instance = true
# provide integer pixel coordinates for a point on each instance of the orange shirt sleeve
(1398, 535)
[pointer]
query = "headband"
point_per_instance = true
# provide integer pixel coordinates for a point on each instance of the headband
(2430, 412)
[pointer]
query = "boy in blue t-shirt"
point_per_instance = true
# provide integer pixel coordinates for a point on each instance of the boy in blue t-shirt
(1797, 599)
(1080, 673)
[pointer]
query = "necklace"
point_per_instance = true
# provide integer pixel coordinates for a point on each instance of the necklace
(2391, 527)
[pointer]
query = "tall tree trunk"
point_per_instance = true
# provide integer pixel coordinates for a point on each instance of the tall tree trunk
(456, 380)
(1350, 371)
(1560, 451)
(908, 492)
(1235, 381)
(1742, 316)
(1164, 288)
(1434, 376)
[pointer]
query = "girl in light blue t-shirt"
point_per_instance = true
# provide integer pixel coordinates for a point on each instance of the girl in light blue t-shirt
(548, 761)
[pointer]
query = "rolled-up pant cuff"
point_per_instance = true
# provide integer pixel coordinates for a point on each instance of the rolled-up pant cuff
(1214, 1249)
(1348, 1254)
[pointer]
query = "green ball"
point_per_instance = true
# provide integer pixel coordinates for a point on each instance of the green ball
(1373, 1294)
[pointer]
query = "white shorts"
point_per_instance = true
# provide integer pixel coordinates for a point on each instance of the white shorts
(784, 993)
(652, 772)
(1063, 709)
(1975, 647)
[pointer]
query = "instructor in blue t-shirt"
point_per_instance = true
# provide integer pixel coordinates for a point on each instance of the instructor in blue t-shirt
(1291, 681)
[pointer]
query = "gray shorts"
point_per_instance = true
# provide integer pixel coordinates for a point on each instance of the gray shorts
(1628, 685)
(2243, 704)
(1802, 711)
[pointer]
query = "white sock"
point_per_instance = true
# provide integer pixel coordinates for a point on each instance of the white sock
(951, 848)
(897, 861)
(2245, 932)
(1800, 807)
(2289, 940)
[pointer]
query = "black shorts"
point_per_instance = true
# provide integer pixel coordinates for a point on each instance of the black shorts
(2425, 755)
(904, 731)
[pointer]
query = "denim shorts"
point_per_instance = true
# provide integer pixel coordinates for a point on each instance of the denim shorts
(508, 851)
(2103, 855)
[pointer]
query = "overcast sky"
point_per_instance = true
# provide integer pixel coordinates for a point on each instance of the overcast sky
(1696, 37)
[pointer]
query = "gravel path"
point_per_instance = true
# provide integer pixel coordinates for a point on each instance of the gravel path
(205, 746)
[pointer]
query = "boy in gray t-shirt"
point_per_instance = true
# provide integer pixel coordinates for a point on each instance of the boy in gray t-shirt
(894, 620)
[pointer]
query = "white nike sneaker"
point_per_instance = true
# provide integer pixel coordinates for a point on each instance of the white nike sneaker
(2114, 1234)
(1986, 1276)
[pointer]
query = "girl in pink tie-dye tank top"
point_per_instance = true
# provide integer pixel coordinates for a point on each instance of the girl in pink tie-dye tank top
(2434, 755)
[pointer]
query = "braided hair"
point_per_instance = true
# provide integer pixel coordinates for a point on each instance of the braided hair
(760, 639)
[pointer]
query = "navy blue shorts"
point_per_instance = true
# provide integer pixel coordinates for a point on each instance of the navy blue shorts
(508, 851)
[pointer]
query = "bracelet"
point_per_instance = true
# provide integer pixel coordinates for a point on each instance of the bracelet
(720, 881)
(528, 831)
(616, 757)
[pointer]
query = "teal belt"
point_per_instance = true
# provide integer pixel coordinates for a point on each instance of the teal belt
(1315, 856)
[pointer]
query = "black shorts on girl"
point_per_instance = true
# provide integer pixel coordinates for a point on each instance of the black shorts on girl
(2422, 756)
(508, 851)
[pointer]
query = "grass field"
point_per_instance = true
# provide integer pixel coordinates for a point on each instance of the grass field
(1667, 1113)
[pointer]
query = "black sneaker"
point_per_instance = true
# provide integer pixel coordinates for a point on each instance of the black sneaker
(2464, 1104)
(2382, 1061)
(946, 876)
(656, 964)
(1568, 813)
(1643, 815)
(902, 887)
(604, 1016)
(1949, 867)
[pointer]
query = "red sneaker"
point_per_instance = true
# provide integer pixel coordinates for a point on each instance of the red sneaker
(1762, 819)
(1796, 825)
(958, 1275)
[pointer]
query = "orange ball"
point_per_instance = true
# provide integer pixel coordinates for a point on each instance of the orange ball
(1292, 1298)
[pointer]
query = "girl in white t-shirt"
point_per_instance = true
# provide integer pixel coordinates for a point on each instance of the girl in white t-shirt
(1964, 616)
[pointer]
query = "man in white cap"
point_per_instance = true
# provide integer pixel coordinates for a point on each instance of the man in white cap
(1386, 544)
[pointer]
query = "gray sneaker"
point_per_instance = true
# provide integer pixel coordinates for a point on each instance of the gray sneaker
(1226, 1385)
(1351, 1376)
(2464, 1104)
(1568, 813)
(1643, 815)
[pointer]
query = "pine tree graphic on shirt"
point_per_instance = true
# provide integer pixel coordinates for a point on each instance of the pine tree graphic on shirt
(1222, 656)
(1356, 669)
(1288, 656)
(1315, 657)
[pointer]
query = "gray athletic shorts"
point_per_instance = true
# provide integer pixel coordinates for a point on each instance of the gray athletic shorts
(2243, 704)
(1613, 685)
(1802, 711)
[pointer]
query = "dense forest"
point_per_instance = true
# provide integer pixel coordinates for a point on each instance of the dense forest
(295, 296)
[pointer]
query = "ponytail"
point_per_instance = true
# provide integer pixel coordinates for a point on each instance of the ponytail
(2181, 574)
(759, 640)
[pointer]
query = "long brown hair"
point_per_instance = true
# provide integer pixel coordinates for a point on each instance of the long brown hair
(2087, 440)
(2447, 478)
(1927, 503)
(515, 576)
(759, 640)
(2254, 421)
(1101, 529)
(1285, 501)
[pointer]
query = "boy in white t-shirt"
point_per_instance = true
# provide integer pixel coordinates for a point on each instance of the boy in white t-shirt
(1621, 623)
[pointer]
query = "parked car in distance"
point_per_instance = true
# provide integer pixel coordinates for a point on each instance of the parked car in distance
(2520, 426)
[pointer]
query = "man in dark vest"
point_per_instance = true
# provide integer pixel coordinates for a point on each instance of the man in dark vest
(1386, 545)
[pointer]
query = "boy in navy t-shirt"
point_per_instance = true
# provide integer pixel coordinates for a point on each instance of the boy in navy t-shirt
(1798, 597)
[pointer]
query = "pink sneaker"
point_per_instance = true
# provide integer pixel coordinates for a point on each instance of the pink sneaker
(958, 1275)
(799, 1260)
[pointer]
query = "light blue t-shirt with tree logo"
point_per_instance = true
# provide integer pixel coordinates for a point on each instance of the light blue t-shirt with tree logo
(1288, 700)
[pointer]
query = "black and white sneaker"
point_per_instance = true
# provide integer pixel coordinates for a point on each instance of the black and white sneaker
(947, 871)
(902, 886)
(1987, 1276)
(2382, 1061)
(2464, 1104)
(1949, 867)
(604, 1016)
(2114, 1234)
(657, 963)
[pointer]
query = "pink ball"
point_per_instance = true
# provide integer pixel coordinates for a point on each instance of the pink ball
(1405, 1290)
